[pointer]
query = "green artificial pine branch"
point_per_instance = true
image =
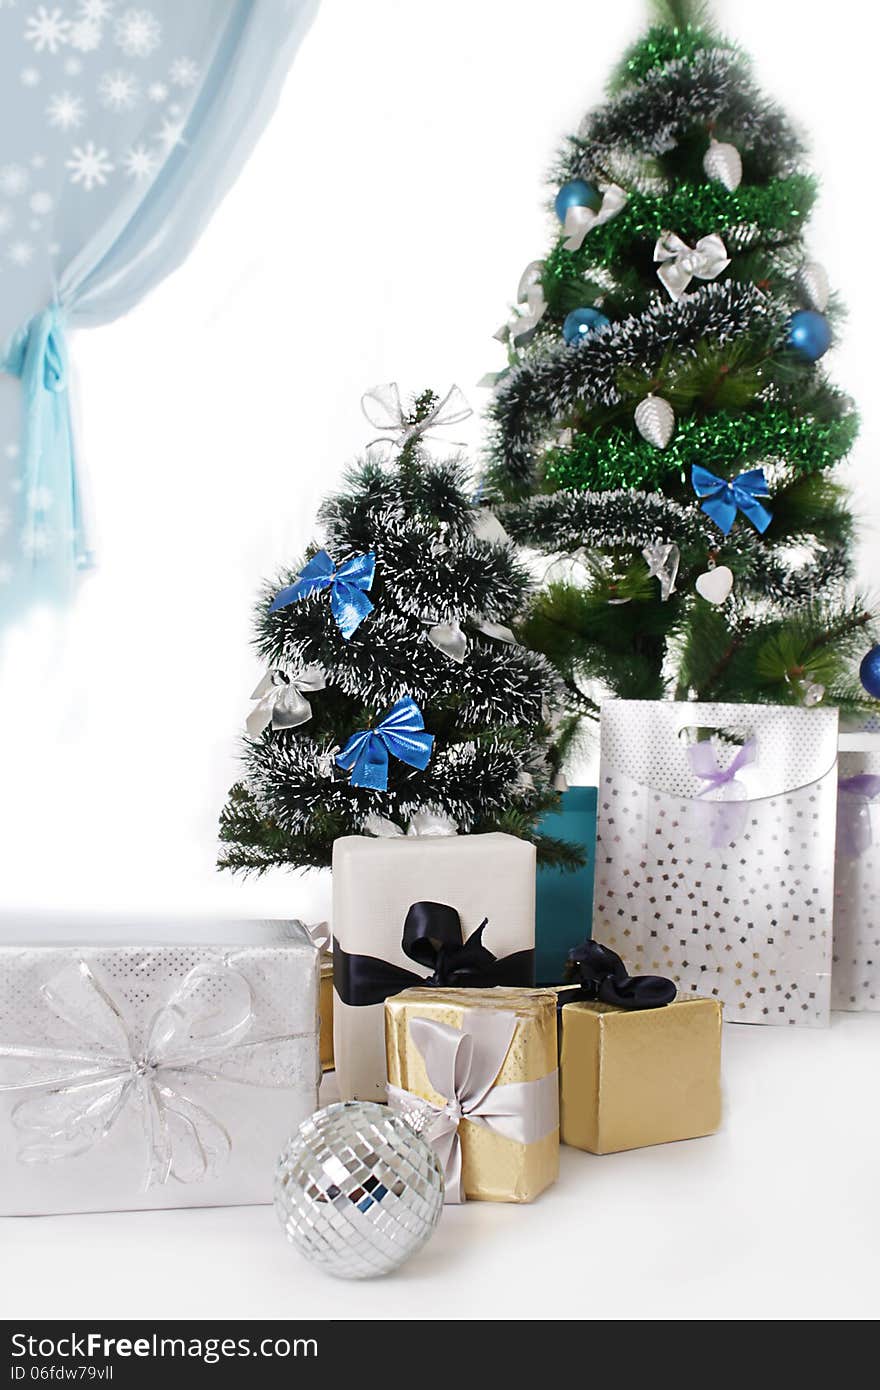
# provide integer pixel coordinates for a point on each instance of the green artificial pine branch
(667, 41)
(680, 15)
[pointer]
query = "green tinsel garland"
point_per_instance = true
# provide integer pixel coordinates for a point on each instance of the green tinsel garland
(619, 458)
(663, 45)
(693, 211)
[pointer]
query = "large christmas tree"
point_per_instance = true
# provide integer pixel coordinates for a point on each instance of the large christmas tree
(665, 426)
(396, 696)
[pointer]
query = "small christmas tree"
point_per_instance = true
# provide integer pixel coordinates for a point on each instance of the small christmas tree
(664, 425)
(397, 695)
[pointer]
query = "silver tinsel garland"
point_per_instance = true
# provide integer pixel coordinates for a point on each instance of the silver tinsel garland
(650, 118)
(621, 519)
(541, 390)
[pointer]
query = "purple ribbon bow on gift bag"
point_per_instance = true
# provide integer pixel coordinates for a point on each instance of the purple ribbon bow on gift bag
(347, 583)
(854, 797)
(724, 820)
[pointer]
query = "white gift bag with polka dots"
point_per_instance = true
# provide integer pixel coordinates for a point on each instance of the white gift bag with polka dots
(855, 980)
(715, 852)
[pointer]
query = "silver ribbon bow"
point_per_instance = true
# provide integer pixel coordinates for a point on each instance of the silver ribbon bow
(529, 292)
(579, 221)
(485, 526)
(204, 1031)
(451, 640)
(427, 821)
(663, 559)
(382, 407)
(319, 933)
(680, 263)
(281, 701)
(462, 1066)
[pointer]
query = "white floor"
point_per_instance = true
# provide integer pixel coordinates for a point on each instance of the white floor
(778, 1216)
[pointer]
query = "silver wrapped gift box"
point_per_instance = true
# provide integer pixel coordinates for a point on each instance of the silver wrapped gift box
(151, 1065)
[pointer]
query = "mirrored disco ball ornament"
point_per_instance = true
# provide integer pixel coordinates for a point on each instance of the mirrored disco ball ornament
(357, 1190)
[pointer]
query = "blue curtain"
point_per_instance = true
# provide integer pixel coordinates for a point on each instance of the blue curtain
(121, 128)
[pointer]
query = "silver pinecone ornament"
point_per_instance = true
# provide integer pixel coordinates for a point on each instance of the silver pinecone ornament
(813, 283)
(722, 163)
(655, 421)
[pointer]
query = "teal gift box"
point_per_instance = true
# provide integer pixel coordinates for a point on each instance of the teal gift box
(564, 903)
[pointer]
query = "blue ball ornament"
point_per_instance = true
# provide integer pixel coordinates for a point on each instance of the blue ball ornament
(809, 333)
(577, 194)
(869, 672)
(582, 323)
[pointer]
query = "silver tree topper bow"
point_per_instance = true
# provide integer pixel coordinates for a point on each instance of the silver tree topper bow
(281, 700)
(82, 1092)
(679, 263)
(580, 221)
(462, 1066)
(382, 407)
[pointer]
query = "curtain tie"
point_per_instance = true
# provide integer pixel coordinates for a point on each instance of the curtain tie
(37, 355)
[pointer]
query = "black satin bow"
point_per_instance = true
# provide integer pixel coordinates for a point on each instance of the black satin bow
(432, 937)
(600, 974)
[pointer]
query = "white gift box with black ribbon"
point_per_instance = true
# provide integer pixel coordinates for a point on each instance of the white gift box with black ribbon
(715, 851)
(151, 1065)
(855, 980)
(376, 881)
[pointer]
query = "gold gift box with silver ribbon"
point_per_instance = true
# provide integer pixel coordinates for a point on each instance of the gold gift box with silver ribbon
(484, 1061)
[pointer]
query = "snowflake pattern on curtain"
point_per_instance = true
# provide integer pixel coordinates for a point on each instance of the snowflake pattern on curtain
(121, 128)
(104, 92)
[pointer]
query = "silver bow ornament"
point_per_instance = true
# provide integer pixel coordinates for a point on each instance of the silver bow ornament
(580, 221)
(462, 1066)
(319, 933)
(485, 526)
(451, 639)
(663, 559)
(679, 263)
(426, 822)
(383, 408)
(530, 292)
(281, 700)
(81, 1093)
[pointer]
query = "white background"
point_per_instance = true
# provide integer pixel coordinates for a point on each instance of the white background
(378, 233)
(775, 1217)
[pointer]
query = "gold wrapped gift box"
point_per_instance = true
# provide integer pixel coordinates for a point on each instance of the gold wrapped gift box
(494, 1167)
(629, 1078)
(326, 1035)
